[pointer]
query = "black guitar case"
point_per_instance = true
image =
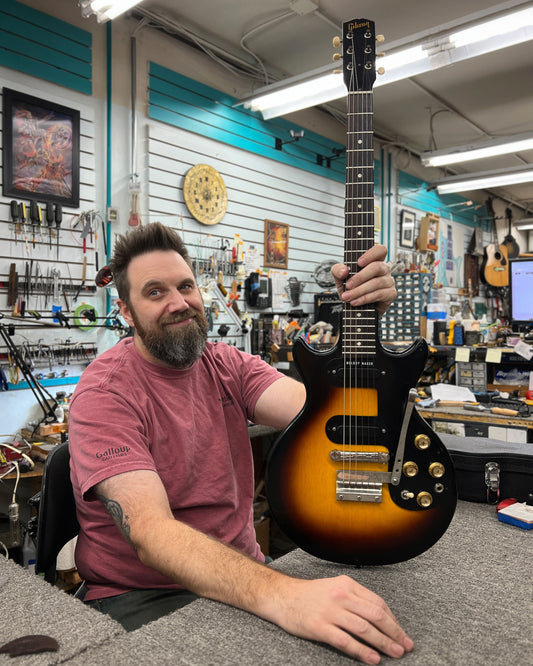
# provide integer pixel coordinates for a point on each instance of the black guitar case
(489, 470)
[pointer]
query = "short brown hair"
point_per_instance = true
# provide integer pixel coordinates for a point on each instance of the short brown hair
(140, 240)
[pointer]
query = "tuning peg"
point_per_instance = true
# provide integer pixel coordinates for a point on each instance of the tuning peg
(336, 42)
(337, 71)
(380, 54)
(336, 56)
(380, 38)
(380, 70)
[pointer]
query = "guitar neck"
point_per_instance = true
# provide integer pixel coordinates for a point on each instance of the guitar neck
(359, 323)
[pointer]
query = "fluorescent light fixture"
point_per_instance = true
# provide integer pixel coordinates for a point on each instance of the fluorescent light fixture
(484, 179)
(525, 224)
(430, 54)
(106, 10)
(479, 150)
(493, 28)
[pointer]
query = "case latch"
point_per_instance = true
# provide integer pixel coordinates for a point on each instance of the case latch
(492, 480)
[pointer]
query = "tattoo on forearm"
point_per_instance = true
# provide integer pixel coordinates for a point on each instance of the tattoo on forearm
(122, 521)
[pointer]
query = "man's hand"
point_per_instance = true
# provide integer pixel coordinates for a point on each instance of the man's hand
(373, 283)
(338, 611)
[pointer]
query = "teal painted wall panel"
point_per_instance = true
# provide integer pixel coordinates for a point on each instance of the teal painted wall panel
(52, 24)
(413, 192)
(182, 102)
(45, 47)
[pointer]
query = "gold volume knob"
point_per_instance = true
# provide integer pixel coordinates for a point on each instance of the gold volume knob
(410, 468)
(436, 470)
(424, 499)
(422, 441)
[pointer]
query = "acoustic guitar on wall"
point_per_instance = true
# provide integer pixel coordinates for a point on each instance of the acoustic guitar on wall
(495, 264)
(359, 477)
(509, 241)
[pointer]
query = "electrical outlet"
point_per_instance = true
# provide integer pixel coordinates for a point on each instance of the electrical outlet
(112, 214)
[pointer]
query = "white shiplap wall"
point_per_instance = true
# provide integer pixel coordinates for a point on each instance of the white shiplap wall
(258, 189)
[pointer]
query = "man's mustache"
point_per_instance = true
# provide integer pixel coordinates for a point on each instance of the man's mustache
(175, 319)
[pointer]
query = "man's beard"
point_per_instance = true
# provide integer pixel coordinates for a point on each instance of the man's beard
(176, 346)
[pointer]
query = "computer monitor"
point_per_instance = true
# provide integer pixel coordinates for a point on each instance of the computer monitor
(521, 293)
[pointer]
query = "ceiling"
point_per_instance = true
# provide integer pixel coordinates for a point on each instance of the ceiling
(473, 100)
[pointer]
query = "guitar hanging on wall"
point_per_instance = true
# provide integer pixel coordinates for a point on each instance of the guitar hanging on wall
(509, 241)
(495, 265)
(359, 477)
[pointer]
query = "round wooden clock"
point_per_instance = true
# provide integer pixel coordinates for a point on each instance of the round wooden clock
(205, 194)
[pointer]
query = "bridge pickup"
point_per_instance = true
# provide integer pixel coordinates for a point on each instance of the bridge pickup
(360, 486)
(359, 456)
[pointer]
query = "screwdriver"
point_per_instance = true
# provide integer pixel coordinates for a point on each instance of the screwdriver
(15, 217)
(476, 407)
(59, 219)
(34, 217)
(50, 220)
(22, 215)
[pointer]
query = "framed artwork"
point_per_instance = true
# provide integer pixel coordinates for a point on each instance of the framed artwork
(407, 229)
(276, 244)
(41, 149)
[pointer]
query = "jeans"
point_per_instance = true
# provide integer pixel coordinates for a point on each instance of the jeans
(137, 607)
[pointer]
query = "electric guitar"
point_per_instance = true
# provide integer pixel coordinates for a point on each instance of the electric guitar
(494, 266)
(359, 477)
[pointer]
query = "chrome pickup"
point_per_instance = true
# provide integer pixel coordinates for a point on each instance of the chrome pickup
(359, 456)
(360, 486)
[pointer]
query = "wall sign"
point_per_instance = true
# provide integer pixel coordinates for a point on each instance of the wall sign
(41, 149)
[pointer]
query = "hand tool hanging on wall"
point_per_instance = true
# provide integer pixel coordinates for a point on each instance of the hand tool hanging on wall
(15, 218)
(59, 219)
(24, 219)
(50, 221)
(12, 290)
(87, 229)
(83, 276)
(34, 217)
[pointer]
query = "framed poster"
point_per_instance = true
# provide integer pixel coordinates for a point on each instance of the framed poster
(407, 229)
(276, 244)
(41, 149)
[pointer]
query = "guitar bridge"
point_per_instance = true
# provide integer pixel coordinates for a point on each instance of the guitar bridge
(358, 486)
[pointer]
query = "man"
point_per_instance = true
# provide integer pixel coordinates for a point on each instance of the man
(160, 449)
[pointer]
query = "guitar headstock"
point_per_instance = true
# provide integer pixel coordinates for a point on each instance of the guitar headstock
(359, 54)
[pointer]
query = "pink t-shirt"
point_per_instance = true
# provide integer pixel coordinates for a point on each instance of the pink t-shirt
(190, 426)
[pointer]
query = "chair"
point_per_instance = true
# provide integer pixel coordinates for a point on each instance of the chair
(57, 522)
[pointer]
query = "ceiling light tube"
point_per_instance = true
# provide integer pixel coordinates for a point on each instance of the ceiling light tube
(484, 180)
(107, 10)
(477, 151)
(525, 224)
(432, 53)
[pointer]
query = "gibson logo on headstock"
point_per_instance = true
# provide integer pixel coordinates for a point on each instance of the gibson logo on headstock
(353, 25)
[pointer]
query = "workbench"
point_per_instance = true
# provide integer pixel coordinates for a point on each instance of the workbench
(477, 424)
(466, 600)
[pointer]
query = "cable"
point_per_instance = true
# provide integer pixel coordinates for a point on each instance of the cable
(17, 450)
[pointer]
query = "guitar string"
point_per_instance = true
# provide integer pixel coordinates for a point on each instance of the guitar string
(359, 216)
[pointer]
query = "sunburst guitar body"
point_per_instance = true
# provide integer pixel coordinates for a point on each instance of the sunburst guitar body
(359, 477)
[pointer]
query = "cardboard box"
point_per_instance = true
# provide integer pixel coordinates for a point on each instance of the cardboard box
(51, 429)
